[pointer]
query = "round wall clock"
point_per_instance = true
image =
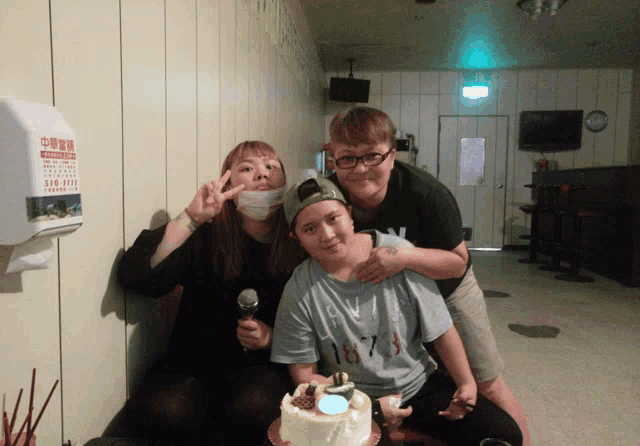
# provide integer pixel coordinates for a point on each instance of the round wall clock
(596, 121)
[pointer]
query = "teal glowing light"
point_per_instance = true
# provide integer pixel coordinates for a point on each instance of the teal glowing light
(475, 91)
(480, 39)
(333, 404)
(478, 55)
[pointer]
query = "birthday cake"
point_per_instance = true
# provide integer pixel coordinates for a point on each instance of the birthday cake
(326, 415)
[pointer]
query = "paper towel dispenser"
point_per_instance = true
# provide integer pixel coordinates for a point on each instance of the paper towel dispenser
(40, 179)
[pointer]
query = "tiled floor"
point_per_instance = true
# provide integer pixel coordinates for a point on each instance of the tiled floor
(583, 386)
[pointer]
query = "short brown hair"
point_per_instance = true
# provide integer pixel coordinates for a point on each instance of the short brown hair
(362, 125)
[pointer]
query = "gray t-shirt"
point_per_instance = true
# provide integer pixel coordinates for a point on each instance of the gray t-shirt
(372, 332)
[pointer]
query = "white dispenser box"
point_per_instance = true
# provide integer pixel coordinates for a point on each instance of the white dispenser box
(40, 182)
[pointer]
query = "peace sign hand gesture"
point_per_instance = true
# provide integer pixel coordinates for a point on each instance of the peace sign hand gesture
(209, 200)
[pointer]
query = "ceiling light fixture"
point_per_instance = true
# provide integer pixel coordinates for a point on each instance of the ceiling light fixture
(534, 8)
(475, 86)
(475, 91)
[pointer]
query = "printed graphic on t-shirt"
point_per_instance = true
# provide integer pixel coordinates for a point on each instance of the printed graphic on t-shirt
(380, 340)
(386, 344)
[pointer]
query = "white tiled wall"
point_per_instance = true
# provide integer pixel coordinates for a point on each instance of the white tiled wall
(157, 93)
(415, 100)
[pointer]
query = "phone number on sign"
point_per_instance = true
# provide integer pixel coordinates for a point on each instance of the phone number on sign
(58, 155)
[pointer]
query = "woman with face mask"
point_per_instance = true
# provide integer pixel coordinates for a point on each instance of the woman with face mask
(217, 378)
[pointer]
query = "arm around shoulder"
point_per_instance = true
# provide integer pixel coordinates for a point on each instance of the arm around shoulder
(437, 263)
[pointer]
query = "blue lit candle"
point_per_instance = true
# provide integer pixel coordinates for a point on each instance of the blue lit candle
(333, 404)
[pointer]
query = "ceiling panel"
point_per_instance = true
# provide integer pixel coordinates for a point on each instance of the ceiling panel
(473, 35)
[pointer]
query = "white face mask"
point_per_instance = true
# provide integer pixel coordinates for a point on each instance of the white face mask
(260, 204)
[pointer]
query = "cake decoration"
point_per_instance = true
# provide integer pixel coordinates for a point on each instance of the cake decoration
(304, 402)
(306, 421)
(311, 390)
(341, 386)
(307, 400)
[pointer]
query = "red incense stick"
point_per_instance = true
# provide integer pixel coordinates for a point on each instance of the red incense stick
(30, 434)
(33, 385)
(15, 412)
(21, 429)
(5, 427)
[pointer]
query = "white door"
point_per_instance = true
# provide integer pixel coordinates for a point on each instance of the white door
(472, 161)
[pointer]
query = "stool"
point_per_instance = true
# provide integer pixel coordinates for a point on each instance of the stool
(533, 237)
(556, 244)
(576, 248)
(406, 435)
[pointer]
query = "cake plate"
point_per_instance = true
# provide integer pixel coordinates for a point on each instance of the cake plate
(274, 434)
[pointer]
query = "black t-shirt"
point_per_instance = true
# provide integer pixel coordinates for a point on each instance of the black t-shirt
(203, 341)
(418, 208)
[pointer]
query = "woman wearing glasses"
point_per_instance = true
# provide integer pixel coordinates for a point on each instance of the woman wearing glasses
(394, 197)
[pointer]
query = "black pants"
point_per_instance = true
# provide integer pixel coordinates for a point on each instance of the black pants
(175, 409)
(486, 421)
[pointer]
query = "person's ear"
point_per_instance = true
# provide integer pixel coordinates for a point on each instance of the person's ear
(294, 236)
(392, 155)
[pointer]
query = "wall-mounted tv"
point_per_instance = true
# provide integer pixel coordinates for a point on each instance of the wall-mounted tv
(550, 130)
(349, 90)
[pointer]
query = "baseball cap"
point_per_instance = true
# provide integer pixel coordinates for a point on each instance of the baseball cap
(307, 192)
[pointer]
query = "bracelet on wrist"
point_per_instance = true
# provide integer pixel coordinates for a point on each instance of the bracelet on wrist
(376, 411)
(191, 217)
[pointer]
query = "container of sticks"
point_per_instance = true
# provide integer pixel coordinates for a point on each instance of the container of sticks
(23, 437)
(15, 441)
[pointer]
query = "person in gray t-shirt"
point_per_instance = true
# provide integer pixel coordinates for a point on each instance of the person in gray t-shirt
(328, 322)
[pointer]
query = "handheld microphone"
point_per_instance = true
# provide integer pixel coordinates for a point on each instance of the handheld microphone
(248, 303)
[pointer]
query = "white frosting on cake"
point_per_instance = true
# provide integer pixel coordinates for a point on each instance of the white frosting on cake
(313, 428)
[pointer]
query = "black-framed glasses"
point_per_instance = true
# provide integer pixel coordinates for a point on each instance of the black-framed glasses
(370, 159)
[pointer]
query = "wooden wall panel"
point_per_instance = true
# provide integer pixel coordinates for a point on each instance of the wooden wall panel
(91, 301)
(253, 109)
(145, 174)
(507, 105)
(208, 98)
(604, 148)
(499, 224)
(29, 301)
(587, 101)
(430, 82)
(467, 106)
(410, 115)
(523, 161)
(375, 87)
(124, 75)
(449, 82)
(410, 83)
(567, 96)
(392, 105)
(182, 139)
(227, 49)
(546, 89)
(272, 97)
(623, 118)
(428, 136)
(447, 105)
(241, 76)
(448, 147)
(489, 105)
(391, 83)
